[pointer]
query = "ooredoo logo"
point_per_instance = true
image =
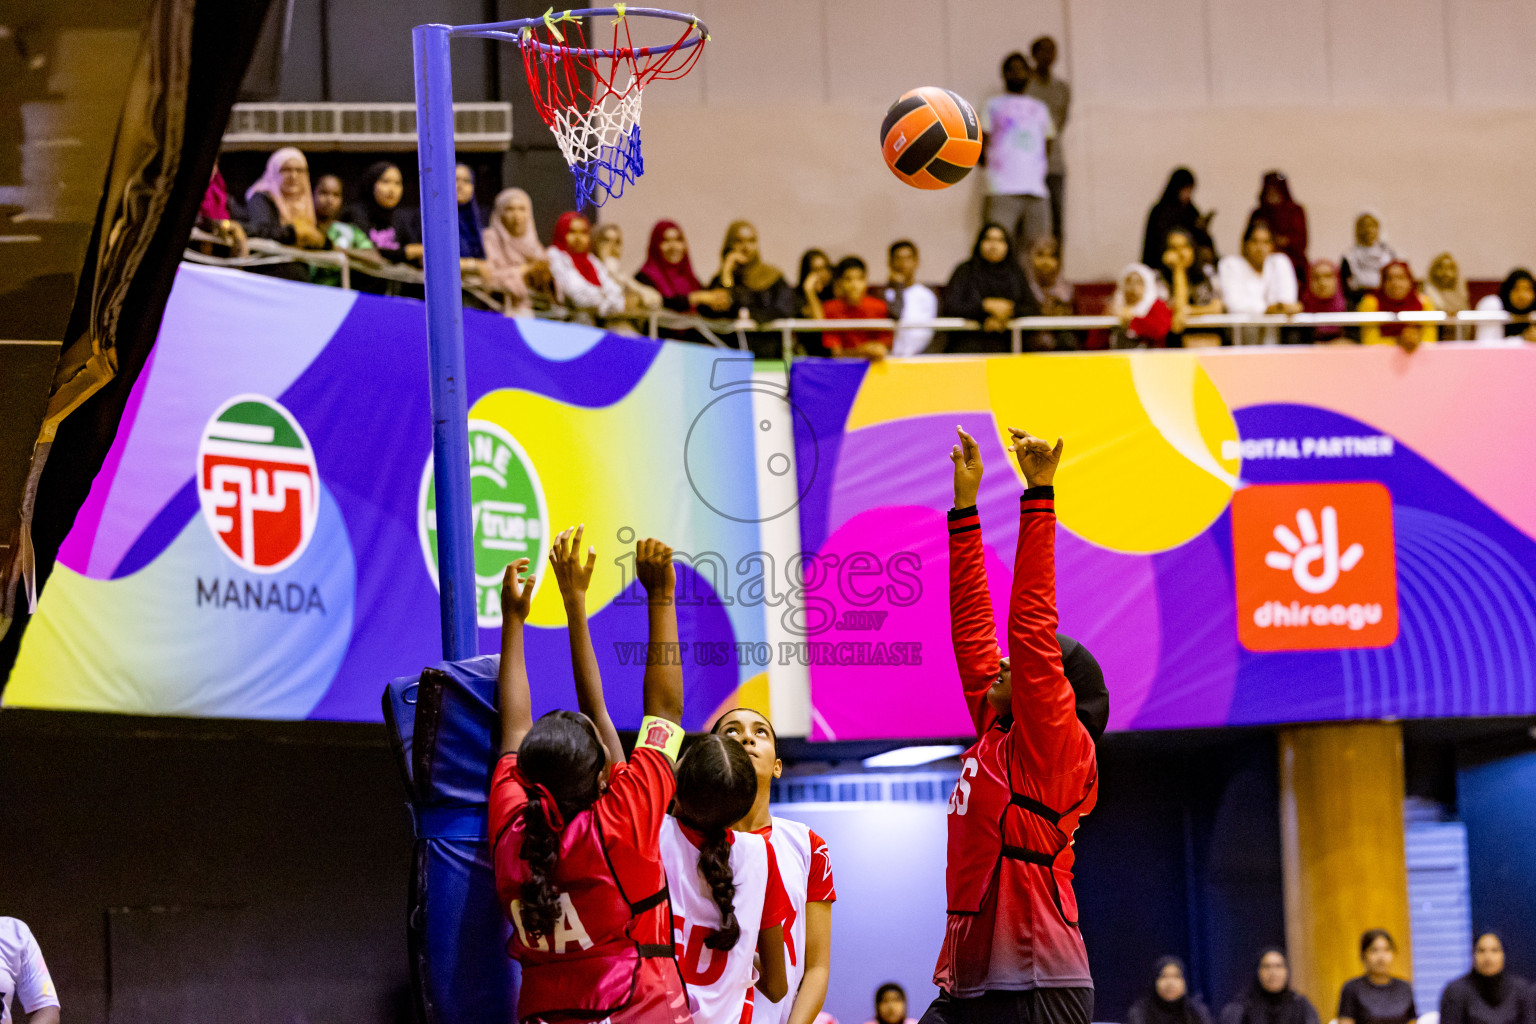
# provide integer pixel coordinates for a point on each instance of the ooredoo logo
(257, 483)
(1316, 566)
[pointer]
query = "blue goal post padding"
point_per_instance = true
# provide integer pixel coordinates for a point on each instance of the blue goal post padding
(444, 729)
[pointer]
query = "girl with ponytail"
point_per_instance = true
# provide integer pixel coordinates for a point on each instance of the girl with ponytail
(574, 827)
(729, 903)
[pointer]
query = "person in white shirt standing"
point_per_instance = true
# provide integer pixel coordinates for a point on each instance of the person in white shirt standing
(1259, 281)
(24, 976)
(908, 301)
(1017, 129)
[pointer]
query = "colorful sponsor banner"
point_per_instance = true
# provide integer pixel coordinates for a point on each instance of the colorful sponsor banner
(261, 541)
(1244, 536)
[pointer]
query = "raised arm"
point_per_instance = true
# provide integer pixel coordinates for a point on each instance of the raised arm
(664, 658)
(1051, 740)
(512, 697)
(574, 575)
(970, 604)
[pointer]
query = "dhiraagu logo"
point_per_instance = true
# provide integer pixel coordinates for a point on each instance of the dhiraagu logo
(511, 519)
(257, 483)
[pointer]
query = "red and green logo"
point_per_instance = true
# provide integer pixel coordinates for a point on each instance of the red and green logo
(257, 483)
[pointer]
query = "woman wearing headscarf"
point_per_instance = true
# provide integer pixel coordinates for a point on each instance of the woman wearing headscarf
(394, 230)
(1487, 994)
(1397, 294)
(756, 288)
(1176, 209)
(989, 288)
(1517, 297)
(1364, 261)
(1323, 294)
(215, 217)
(514, 256)
(1169, 1001)
(669, 270)
(279, 205)
(1287, 220)
(581, 282)
(1447, 291)
(471, 245)
(1144, 317)
(1270, 998)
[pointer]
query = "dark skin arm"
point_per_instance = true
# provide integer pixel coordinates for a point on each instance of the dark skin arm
(47, 1015)
(574, 576)
(773, 980)
(512, 695)
(663, 686)
(818, 964)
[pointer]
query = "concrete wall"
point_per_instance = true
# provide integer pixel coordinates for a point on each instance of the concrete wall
(1425, 109)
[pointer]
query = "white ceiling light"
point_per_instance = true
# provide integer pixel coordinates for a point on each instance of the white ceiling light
(908, 757)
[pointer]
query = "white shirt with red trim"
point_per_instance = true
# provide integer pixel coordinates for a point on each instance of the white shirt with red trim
(720, 983)
(807, 869)
(23, 974)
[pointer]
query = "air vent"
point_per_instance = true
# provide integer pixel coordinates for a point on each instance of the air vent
(371, 127)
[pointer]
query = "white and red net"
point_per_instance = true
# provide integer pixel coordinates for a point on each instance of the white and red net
(590, 96)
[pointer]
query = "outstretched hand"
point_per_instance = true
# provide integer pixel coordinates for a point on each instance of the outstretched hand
(565, 562)
(967, 459)
(1037, 459)
(516, 592)
(653, 564)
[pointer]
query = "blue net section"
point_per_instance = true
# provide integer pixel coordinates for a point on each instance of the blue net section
(605, 174)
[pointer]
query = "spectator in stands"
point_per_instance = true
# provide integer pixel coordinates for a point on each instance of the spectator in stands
(608, 246)
(215, 217)
(891, 1005)
(1170, 1001)
(1287, 220)
(1270, 998)
(1057, 97)
(343, 236)
(1446, 290)
(279, 205)
(581, 282)
(907, 300)
(989, 288)
(1397, 294)
(394, 230)
(851, 301)
(1016, 129)
(514, 257)
(757, 289)
(1176, 209)
(471, 243)
(1376, 997)
(23, 974)
(1191, 288)
(1487, 994)
(1053, 295)
(1259, 281)
(1364, 261)
(1145, 318)
(815, 284)
(669, 270)
(1323, 294)
(1517, 297)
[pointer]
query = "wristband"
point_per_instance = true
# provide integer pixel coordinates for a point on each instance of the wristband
(660, 735)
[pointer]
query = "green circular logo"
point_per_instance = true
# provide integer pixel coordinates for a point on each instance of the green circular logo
(510, 515)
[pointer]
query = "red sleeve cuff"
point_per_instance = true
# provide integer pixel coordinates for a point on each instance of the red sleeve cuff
(1038, 499)
(962, 520)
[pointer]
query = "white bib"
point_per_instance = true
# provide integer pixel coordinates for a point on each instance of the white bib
(792, 846)
(719, 983)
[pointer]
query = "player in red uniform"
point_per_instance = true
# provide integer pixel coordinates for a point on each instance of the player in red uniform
(574, 828)
(1012, 950)
(807, 868)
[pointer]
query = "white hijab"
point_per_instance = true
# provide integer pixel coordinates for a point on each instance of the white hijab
(1148, 290)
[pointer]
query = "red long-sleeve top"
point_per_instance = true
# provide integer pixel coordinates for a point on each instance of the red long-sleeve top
(1026, 782)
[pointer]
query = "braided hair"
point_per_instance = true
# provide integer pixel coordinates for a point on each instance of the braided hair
(716, 786)
(561, 754)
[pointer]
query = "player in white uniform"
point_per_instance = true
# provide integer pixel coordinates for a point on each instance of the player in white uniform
(729, 907)
(807, 870)
(24, 976)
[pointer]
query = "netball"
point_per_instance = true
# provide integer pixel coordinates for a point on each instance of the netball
(931, 138)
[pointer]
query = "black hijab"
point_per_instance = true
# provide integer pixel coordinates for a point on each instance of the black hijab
(1261, 1006)
(1172, 212)
(1492, 989)
(1001, 280)
(1518, 274)
(1163, 1011)
(377, 220)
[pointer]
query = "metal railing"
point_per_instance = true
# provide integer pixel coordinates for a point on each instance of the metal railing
(652, 322)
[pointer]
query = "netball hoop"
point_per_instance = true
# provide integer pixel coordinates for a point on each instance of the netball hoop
(590, 98)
